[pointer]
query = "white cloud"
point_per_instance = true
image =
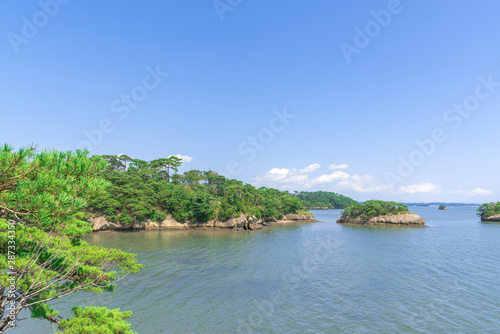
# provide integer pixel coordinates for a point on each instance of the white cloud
(285, 176)
(479, 191)
(473, 192)
(310, 168)
(363, 184)
(328, 178)
(277, 175)
(426, 188)
(341, 166)
(299, 177)
(185, 158)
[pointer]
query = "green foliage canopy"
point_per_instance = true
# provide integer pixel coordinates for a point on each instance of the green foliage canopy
(97, 320)
(488, 209)
(324, 199)
(42, 256)
(143, 191)
(374, 208)
(49, 190)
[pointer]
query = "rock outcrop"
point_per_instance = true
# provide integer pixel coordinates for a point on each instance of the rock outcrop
(492, 218)
(242, 222)
(401, 219)
(318, 208)
(295, 218)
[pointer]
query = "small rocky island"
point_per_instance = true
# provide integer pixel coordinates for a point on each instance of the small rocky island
(380, 213)
(442, 207)
(489, 212)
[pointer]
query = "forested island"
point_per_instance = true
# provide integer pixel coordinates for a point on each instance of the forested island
(322, 200)
(489, 212)
(151, 194)
(442, 207)
(375, 212)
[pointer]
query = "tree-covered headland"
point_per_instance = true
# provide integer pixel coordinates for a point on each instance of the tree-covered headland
(140, 190)
(488, 209)
(324, 199)
(374, 208)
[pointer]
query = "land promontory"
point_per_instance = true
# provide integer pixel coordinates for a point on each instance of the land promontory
(489, 212)
(380, 213)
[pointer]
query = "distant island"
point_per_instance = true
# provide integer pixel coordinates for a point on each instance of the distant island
(442, 207)
(323, 200)
(489, 212)
(383, 213)
(441, 203)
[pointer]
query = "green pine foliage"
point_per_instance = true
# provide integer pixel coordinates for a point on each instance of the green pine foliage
(488, 209)
(50, 189)
(374, 208)
(97, 320)
(148, 190)
(324, 199)
(42, 256)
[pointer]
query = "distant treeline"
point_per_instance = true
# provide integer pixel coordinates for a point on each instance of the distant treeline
(441, 203)
(142, 190)
(324, 199)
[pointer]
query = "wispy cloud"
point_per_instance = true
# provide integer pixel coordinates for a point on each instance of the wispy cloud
(473, 192)
(422, 188)
(302, 178)
(340, 180)
(329, 178)
(289, 177)
(341, 166)
(363, 184)
(310, 168)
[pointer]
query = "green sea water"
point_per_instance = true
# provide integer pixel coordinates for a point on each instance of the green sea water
(310, 278)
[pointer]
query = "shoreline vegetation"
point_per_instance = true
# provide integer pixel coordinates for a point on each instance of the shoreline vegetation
(489, 212)
(42, 255)
(152, 195)
(323, 200)
(380, 213)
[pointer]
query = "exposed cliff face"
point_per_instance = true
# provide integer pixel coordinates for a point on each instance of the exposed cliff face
(401, 219)
(292, 218)
(243, 222)
(318, 208)
(492, 218)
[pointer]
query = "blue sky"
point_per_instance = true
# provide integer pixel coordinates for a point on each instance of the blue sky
(298, 95)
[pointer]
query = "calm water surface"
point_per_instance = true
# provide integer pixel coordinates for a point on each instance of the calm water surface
(310, 278)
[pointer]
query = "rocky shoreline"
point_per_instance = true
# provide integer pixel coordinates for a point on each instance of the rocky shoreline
(401, 219)
(243, 222)
(492, 218)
